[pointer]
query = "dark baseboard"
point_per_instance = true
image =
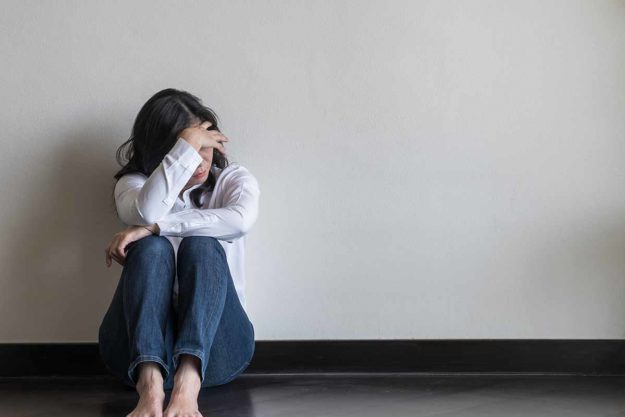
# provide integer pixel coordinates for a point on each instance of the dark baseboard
(590, 357)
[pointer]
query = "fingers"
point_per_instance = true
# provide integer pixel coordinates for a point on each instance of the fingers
(119, 253)
(111, 256)
(116, 252)
(217, 136)
(220, 144)
(206, 125)
(119, 260)
(218, 140)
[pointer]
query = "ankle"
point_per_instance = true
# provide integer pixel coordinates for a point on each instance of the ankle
(150, 378)
(186, 379)
(188, 370)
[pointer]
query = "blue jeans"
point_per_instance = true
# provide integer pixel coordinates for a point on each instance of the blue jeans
(142, 325)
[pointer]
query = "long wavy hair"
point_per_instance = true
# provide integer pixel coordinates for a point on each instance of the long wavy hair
(155, 132)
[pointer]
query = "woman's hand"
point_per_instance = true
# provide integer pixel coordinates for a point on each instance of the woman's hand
(201, 138)
(117, 249)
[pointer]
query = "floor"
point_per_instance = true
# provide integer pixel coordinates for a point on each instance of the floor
(357, 395)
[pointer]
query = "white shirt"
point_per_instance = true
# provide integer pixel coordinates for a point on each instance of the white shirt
(226, 214)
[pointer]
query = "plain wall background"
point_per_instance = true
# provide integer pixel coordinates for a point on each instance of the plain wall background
(428, 169)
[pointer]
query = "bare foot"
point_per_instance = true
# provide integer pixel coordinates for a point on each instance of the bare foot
(183, 401)
(150, 389)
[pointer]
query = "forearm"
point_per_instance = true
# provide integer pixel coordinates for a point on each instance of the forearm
(223, 223)
(143, 201)
(159, 193)
(234, 219)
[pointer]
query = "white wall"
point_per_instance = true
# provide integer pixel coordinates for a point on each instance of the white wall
(429, 169)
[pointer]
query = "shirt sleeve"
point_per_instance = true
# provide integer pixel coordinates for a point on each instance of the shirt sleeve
(141, 201)
(232, 221)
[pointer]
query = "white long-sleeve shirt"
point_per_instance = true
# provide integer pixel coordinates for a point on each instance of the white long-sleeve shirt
(227, 213)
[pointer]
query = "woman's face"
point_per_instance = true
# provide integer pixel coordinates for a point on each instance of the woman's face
(201, 172)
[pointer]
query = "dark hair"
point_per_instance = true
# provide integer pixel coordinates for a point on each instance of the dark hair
(156, 130)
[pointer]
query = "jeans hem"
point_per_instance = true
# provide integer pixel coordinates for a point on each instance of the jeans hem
(147, 358)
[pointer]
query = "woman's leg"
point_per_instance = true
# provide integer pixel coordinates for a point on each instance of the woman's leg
(138, 326)
(233, 345)
(215, 338)
(212, 324)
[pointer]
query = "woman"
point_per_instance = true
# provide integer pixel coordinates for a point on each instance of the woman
(177, 319)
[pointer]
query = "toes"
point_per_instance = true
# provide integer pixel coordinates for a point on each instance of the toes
(182, 414)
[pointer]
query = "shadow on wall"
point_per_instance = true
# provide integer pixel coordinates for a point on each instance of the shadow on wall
(58, 286)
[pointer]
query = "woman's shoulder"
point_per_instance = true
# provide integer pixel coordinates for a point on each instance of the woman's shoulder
(133, 176)
(130, 180)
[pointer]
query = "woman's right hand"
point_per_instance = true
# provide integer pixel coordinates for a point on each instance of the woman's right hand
(201, 138)
(116, 251)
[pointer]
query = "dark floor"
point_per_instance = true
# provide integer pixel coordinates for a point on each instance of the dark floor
(358, 395)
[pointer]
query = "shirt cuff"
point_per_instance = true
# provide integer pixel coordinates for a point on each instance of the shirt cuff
(185, 154)
(169, 228)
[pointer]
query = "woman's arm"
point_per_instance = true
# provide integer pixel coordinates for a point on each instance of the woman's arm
(116, 251)
(232, 221)
(142, 201)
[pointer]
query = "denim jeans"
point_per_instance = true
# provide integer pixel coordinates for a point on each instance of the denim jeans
(142, 325)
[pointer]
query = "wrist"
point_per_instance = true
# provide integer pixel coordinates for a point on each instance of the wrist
(153, 228)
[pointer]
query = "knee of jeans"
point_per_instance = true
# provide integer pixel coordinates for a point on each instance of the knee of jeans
(152, 246)
(201, 244)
